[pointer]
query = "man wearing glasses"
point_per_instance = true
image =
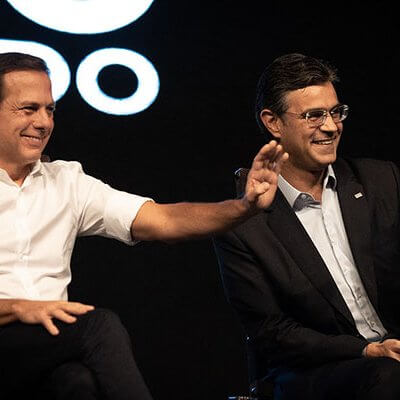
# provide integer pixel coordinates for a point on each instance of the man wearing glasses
(315, 278)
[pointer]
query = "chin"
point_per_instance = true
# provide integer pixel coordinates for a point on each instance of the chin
(327, 157)
(323, 163)
(32, 158)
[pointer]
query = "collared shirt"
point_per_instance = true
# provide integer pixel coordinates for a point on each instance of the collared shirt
(41, 219)
(324, 224)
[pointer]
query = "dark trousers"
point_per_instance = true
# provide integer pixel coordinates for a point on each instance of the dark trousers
(71, 380)
(357, 379)
(92, 355)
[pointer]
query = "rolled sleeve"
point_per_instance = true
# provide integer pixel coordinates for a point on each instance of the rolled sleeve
(120, 211)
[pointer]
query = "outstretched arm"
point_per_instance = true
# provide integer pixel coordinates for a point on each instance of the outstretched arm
(172, 222)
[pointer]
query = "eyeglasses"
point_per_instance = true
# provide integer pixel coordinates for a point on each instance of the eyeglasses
(316, 118)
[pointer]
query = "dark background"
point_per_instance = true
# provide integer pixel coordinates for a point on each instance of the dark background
(186, 145)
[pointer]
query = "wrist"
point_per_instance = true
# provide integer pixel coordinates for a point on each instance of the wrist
(246, 207)
(373, 350)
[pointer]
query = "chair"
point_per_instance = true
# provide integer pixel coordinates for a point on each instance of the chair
(240, 177)
(259, 389)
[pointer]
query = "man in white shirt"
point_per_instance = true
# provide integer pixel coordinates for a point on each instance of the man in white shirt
(43, 208)
(315, 278)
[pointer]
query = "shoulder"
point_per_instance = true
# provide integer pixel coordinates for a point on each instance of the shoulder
(68, 173)
(60, 166)
(378, 178)
(369, 164)
(367, 169)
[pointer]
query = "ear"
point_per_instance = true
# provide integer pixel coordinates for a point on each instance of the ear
(271, 122)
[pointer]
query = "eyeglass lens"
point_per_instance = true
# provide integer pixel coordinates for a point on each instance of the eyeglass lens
(318, 117)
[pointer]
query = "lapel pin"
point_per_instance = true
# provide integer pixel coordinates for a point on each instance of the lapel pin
(358, 195)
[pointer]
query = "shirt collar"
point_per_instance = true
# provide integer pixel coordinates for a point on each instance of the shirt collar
(37, 169)
(292, 194)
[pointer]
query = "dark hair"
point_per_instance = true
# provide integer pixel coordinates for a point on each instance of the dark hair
(285, 74)
(19, 62)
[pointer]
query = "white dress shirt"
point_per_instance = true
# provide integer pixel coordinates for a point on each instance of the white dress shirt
(324, 224)
(41, 219)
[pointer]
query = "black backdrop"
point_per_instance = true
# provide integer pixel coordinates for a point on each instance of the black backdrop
(187, 144)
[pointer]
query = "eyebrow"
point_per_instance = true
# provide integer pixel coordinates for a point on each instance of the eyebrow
(321, 109)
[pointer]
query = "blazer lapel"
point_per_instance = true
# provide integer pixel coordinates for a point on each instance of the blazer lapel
(354, 207)
(287, 227)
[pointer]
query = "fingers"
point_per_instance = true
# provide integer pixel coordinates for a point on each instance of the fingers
(388, 348)
(268, 163)
(63, 316)
(49, 325)
(43, 312)
(270, 156)
(76, 308)
(261, 188)
(392, 345)
(62, 311)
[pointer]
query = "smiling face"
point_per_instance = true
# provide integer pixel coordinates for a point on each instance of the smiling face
(26, 119)
(310, 149)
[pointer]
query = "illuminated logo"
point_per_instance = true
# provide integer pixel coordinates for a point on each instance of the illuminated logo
(146, 92)
(89, 17)
(82, 16)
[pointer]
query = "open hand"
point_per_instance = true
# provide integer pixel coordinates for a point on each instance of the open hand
(262, 179)
(43, 312)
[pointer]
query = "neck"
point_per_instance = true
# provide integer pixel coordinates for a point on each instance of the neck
(17, 173)
(305, 181)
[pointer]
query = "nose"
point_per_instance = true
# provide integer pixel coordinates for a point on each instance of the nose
(329, 126)
(43, 120)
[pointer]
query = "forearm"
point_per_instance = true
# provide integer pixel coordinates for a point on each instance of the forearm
(291, 344)
(202, 219)
(179, 221)
(173, 222)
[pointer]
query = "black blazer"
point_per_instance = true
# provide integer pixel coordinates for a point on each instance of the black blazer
(285, 297)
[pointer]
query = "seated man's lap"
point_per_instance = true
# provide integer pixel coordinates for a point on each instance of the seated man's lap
(30, 353)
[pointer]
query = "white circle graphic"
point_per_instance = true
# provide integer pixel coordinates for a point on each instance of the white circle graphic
(147, 77)
(82, 16)
(60, 74)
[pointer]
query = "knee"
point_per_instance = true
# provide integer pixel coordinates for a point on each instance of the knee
(106, 323)
(107, 319)
(73, 380)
